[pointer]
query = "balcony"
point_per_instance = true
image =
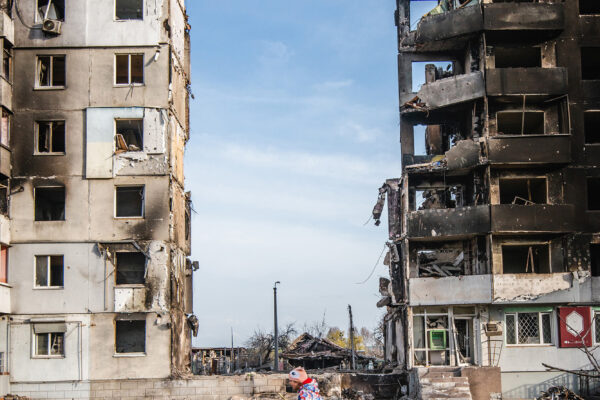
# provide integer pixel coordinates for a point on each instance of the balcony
(467, 289)
(7, 27)
(5, 93)
(5, 306)
(529, 149)
(448, 223)
(130, 299)
(526, 81)
(5, 162)
(541, 218)
(561, 287)
(523, 17)
(4, 229)
(450, 25)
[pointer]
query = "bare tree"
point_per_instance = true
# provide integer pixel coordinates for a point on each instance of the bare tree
(317, 329)
(260, 344)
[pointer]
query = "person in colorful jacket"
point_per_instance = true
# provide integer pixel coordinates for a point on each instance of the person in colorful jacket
(307, 388)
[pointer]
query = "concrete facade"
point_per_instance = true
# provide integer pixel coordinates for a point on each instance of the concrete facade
(98, 221)
(494, 237)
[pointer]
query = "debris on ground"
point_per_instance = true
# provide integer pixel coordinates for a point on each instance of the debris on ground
(559, 393)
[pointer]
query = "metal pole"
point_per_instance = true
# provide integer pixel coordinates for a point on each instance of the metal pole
(352, 338)
(232, 358)
(276, 333)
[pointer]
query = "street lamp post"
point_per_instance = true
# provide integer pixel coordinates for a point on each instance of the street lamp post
(276, 333)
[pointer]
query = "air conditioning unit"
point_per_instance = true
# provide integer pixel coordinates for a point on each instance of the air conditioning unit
(51, 26)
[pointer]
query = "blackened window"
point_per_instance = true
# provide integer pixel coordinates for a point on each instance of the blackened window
(130, 336)
(595, 258)
(591, 127)
(589, 7)
(521, 259)
(50, 203)
(51, 71)
(520, 123)
(130, 201)
(7, 60)
(56, 10)
(129, 9)
(593, 193)
(130, 268)
(50, 136)
(590, 63)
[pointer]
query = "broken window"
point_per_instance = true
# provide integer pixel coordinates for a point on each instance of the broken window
(523, 191)
(130, 201)
(595, 258)
(520, 123)
(440, 262)
(50, 203)
(591, 127)
(430, 71)
(51, 9)
(50, 136)
(587, 7)
(593, 193)
(530, 258)
(4, 264)
(129, 9)
(130, 267)
(5, 128)
(51, 71)
(590, 63)
(130, 336)
(129, 134)
(129, 69)
(436, 198)
(7, 60)
(430, 338)
(4, 195)
(518, 57)
(525, 328)
(49, 271)
(50, 344)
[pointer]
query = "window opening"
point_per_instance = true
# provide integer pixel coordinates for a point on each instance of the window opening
(591, 127)
(521, 259)
(7, 60)
(130, 201)
(55, 11)
(5, 128)
(587, 7)
(4, 196)
(597, 327)
(418, 9)
(131, 268)
(523, 191)
(50, 136)
(440, 262)
(518, 57)
(438, 198)
(528, 328)
(590, 63)
(129, 134)
(49, 271)
(593, 194)
(50, 344)
(430, 339)
(520, 123)
(130, 336)
(595, 258)
(129, 69)
(2, 363)
(430, 71)
(129, 9)
(3, 264)
(50, 203)
(464, 338)
(51, 71)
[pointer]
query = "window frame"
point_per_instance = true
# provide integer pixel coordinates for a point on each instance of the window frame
(143, 83)
(48, 272)
(38, 19)
(128, 19)
(116, 120)
(37, 85)
(524, 134)
(34, 203)
(131, 354)
(143, 186)
(34, 343)
(515, 314)
(36, 139)
(142, 284)
(7, 54)
(547, 243)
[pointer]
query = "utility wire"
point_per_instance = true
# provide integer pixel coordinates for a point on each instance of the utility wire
(374, 266)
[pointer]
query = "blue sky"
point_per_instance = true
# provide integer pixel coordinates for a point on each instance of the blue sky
(294, 127)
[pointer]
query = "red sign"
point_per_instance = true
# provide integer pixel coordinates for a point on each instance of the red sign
(575, 326)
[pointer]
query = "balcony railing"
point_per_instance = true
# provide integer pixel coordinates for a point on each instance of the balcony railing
(529, 149)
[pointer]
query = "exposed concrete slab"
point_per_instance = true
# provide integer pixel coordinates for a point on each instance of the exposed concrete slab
(453, 90)
(523, 81)
(454, 290)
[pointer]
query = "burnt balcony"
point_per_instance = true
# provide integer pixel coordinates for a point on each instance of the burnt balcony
(538, 218)
(520, 16)
(526, 81)
(529, 149)
(448, 28)
(466, 289)
(448, 223)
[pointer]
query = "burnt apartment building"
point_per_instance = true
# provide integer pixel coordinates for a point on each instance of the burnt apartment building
(494, 224)
(95, 279)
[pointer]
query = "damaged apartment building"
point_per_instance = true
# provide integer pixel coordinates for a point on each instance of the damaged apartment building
(95, 279)
(494, 224)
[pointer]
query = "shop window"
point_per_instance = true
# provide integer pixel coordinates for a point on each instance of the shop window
(50, 9)
(130, 336)
(522, 259)
(50, 137)
(528, 328)
(590, 63)
(129, 69)
(7, 60)
(595, 258)
(518, 57)
(49, 271)
(5, 128)
(587, 7)
(51, 71)
(129, 134)
(3, 264)
(50, 203)
(130, 201)
(523, 191)
(129, 9)
(593, 194)
(520, 123)
(131, 267)
(591, 127)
